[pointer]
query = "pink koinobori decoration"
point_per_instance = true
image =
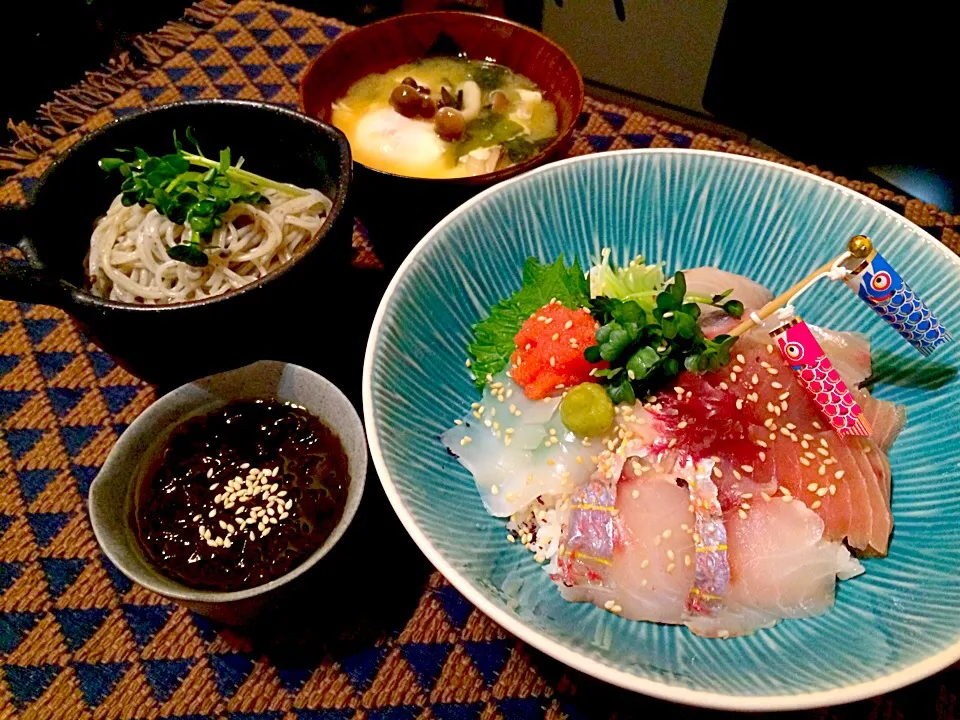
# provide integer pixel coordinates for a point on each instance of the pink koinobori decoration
(819, 378)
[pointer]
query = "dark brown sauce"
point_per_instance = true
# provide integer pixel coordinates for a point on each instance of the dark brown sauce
(200, 470)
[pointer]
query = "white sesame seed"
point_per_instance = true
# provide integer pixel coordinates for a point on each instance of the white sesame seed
(265, 532)
(210, 473)
(212, 513)
(838, 474)
(671, 567)
(196, 518)
(244, 466)
(740, 359)
(742, 513)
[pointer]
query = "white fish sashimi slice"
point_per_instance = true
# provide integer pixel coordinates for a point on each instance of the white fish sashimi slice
(652, 570)
(511, 475)
(780, 567)
(713, 281)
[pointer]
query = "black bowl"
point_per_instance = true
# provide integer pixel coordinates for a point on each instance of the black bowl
(168, 344)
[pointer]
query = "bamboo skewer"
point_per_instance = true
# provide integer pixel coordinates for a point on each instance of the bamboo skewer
(858, 247)
(780, 300)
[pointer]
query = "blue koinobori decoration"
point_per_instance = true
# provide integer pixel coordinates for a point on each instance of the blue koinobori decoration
(882, 288)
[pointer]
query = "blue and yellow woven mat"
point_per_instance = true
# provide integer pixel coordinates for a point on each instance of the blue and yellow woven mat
(80, 641)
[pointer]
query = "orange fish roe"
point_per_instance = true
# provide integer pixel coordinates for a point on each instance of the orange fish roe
(549, 354)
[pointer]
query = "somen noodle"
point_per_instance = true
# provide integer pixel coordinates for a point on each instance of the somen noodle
(129, 260)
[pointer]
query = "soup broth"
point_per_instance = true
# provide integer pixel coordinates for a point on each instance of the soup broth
(445, 117)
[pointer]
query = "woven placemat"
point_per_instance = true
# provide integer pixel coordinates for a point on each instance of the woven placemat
(79, 640)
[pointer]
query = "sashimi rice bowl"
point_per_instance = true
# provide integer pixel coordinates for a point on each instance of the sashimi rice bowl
(596, 419)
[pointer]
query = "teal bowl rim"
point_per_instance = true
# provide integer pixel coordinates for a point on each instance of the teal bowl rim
(556, 650)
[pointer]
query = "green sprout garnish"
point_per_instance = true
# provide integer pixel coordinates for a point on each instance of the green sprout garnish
(647, 349)
(190, 197)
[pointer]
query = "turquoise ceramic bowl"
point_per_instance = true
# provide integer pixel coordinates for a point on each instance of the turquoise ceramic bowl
(892, 626)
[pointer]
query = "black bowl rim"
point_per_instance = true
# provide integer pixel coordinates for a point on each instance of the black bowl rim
(486, 178)
(343, 187)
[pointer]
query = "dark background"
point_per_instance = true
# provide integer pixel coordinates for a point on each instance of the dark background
(858, 88)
